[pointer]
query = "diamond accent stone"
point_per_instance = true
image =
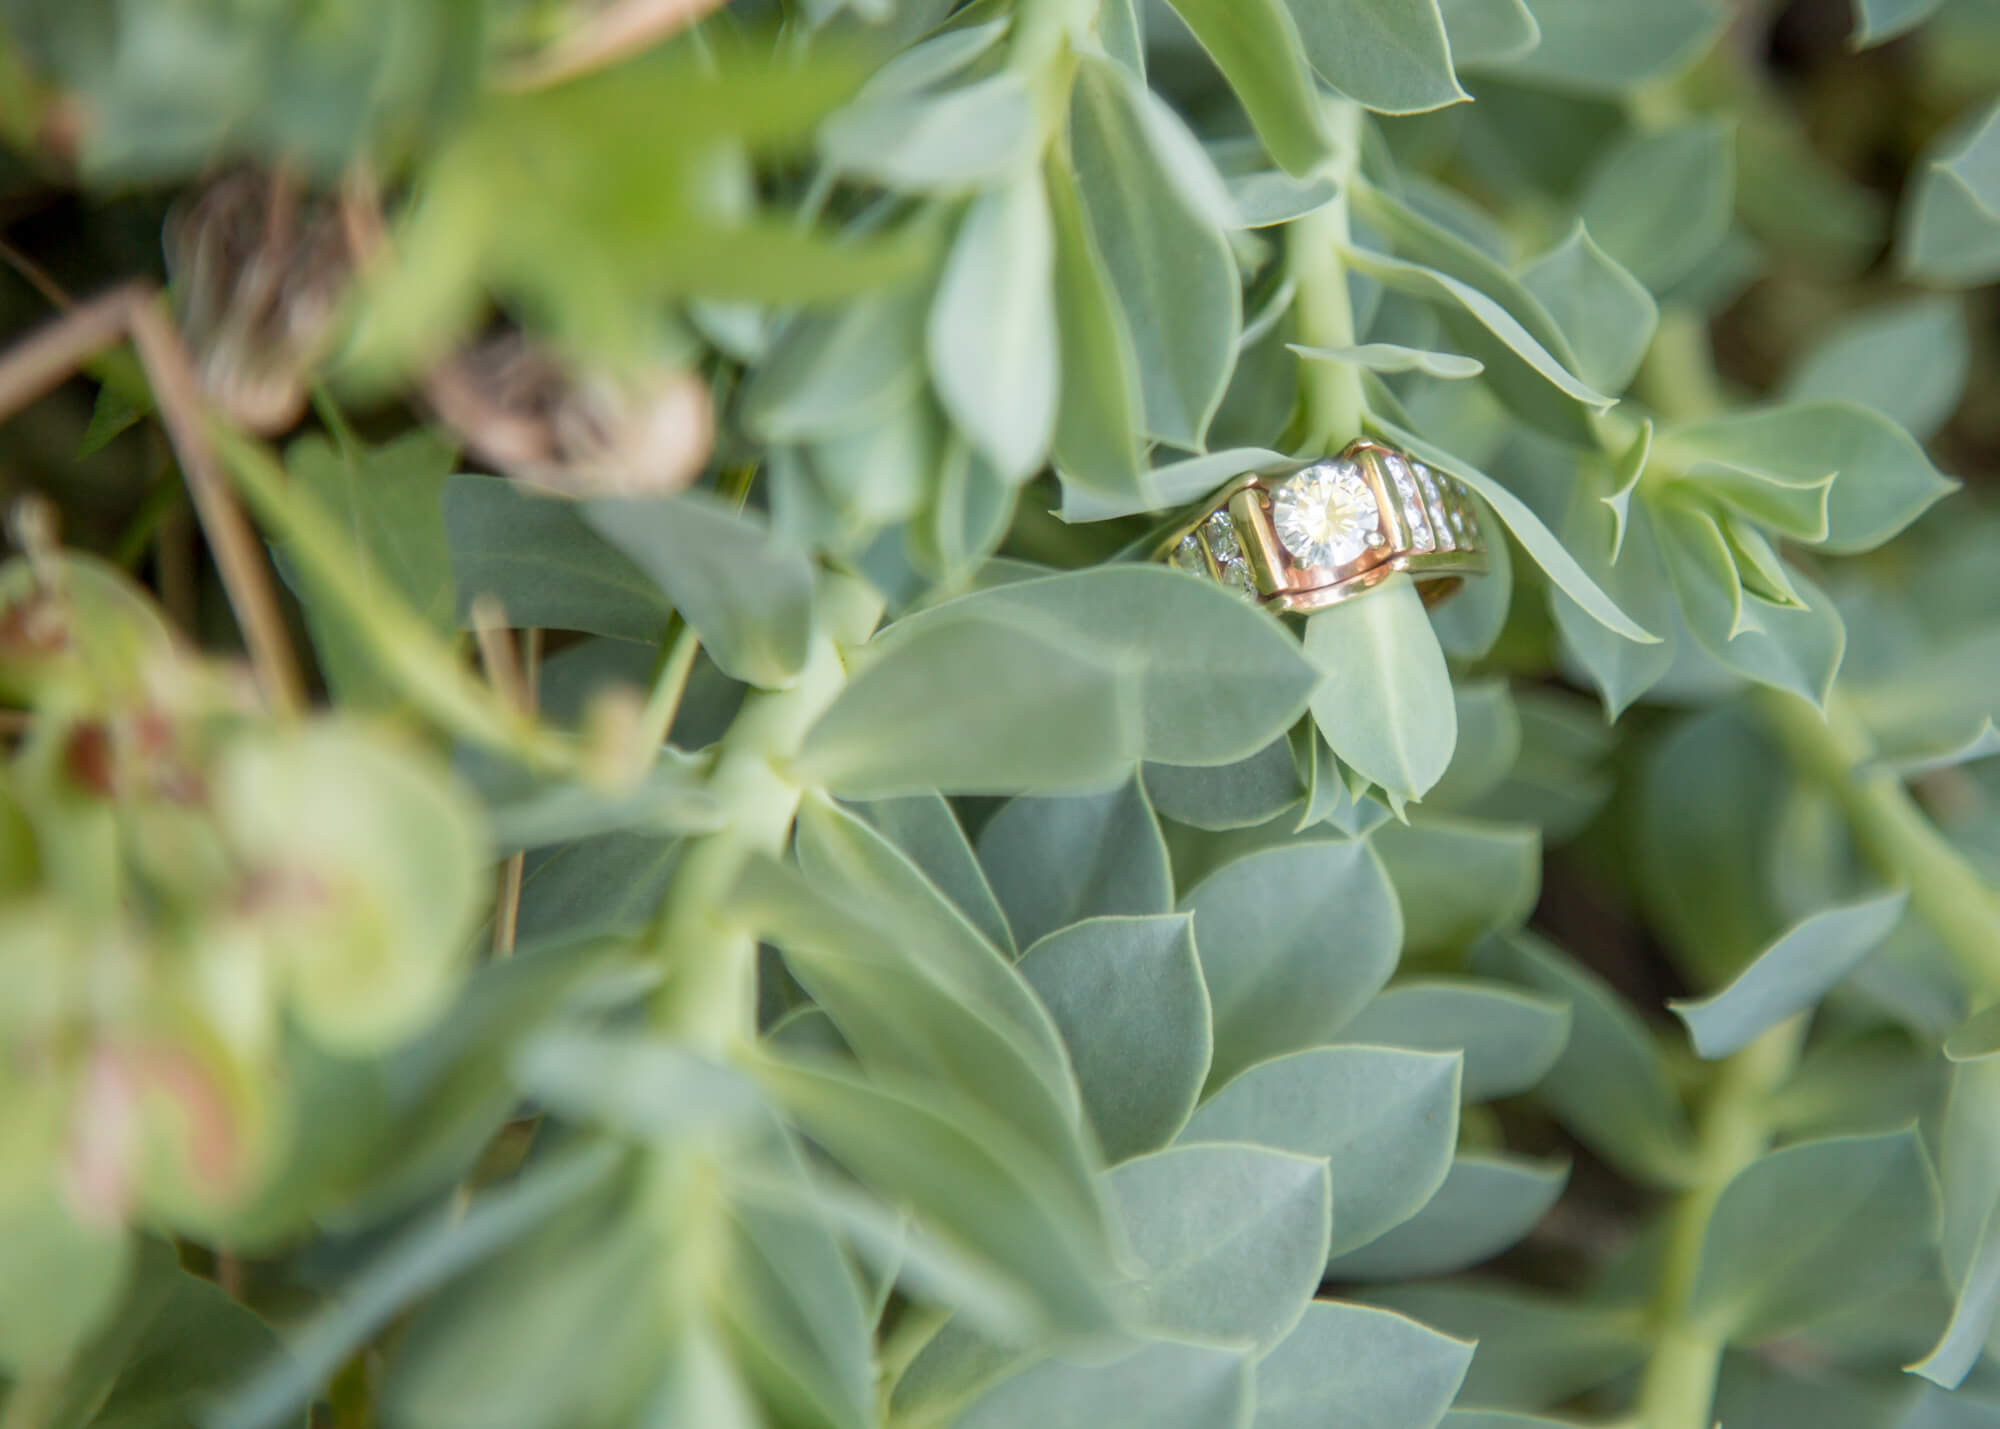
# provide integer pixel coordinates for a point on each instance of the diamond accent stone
(1219, 532)
(1411, 501)
(1434, 503)
(1326, 514)
(1187, 556)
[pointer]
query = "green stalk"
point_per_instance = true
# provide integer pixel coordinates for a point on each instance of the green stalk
(1677, 1389)
(1892, 831)
(1332, 406)
(1835, 749)
(709, 1001)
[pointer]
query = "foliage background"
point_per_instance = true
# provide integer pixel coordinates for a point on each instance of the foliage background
(759, 914)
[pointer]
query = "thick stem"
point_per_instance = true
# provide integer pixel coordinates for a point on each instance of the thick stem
(1892, 831)
(1960, 907)
(709, 1002)
(1332, 405)
(1677, 1390)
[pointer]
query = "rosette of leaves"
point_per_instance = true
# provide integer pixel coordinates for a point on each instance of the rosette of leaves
(943, 971)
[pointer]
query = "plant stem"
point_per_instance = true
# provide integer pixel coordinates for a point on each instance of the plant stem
(1892, 831)
(709, 1001)
(1332, 404)
(1896, 836)
(1677, 1390)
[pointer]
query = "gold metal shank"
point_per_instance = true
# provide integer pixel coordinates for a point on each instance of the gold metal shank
(1426, 524)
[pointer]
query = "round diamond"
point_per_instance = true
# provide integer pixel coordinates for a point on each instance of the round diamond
(1326, 514)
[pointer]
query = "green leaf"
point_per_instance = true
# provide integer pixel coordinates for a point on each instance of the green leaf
(545, 564)
(1459, 879)
(1128, 997)
(1470, 624)
(1908, 360)
(1055, 861)
(1256, 45)
(1164, 1385)
(1535, 538)
(1267, 198)
(1440, 288)
(1610, 1086)
(1793, 974)
(1294, 941)
(1605, 312)
(1387, 1120)
(1101, 407)
(60, 1277)
(1884, 481)
(992, 339)
(975, 705)
(796, 1317)
(1878, 20)
(1213, 678)
(1358, 1366)
(924, 827)
(1635, 579)
(1486, 1204)
(1534, 1348)
(1970, 1171)
(1174, 484)
(1809, 1228)
(1975, 1039)
(1389, 358)
(560, 198)
(952, 1013)
(390, 499)
(1159, 214)
(1489, 32)
(610, 883)
(1391, 55)
(1609, 46)
(833, 372)
(1662, 198)
(973, 1176)
(1509, 1039)
(1229, 1240)
(1228, 796)
(1795, 650)
(673, 798)
(747, 594)
(177, 1341)
(1964, 1340)
(1708, 831)
(1489, 741)
(934, 142)
(1384, 701)
(1950, 231)
(417, 1262)
(1529, 365)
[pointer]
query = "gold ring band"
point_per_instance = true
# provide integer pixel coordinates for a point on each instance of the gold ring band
(1311, 537)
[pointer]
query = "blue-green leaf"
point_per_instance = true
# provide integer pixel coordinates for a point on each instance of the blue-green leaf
(992, 337)
(1486, 1204)
(1610, 1086)
(1791, 975)
(1809, 1228)
(1294, 941)
(1509, 1039)
(1230, 1239)
(1384, 702)
(1386, 1119)
(1391, 55)
(1128, 997)
(1361, 1367)
(747, 594)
